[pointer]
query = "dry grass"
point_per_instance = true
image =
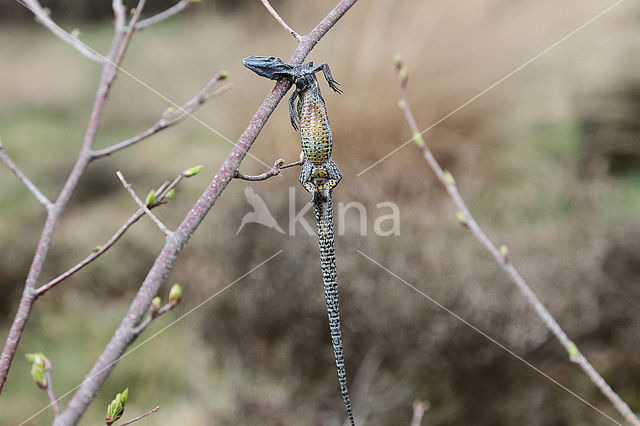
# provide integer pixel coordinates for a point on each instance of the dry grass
(259, 353)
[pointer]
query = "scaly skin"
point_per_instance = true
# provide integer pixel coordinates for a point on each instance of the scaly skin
(319, 176)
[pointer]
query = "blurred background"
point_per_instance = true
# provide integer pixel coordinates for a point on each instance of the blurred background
(548, 160)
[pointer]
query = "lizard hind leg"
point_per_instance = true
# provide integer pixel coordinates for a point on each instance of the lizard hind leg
(334, 175)
(306, 179)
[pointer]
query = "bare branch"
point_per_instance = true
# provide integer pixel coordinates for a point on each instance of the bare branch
(148, 413)
(4, 157)
(142, 205)
(273, 12)
(162, 192)
(42, 16)
(501, 256)
(176, 8)
(110, 69)
(171, 117)
(125, 333)
(275, 171)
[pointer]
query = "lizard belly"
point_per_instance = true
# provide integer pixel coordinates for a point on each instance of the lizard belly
(315, 131)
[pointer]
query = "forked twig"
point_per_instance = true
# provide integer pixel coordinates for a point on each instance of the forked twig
(273, 12)
(98, 251)
(142, 205)
(502, 258)
(144, 324)
(4, 157)
(275, 171)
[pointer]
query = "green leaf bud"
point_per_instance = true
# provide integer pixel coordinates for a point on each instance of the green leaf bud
(39, 364)
(116, 408)
(175, 294)
(417, 138)
(574, 353)
(192, 171)
(504, 252)
(151, 198)
(462, 218)
(448, 177)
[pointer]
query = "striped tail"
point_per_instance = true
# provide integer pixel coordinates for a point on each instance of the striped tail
(323, 207)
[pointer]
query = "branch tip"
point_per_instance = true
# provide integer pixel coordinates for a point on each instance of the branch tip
(281, 21)
(278, 166)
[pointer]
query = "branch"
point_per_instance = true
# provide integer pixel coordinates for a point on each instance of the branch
(148, 413)
(275, 170)
(119, 13)
(110, 69)
(170, 117)
(42, 16)
(176, 8)
(163, 190)
(501, 257)
(4, 157)
(142, 205)
(125, 333)
(280, 20)
(153, 315)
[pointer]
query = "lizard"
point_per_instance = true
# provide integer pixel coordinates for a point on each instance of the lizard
(319, 176)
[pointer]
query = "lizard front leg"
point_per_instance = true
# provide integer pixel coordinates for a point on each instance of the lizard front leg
(327, 75)
(293, 116)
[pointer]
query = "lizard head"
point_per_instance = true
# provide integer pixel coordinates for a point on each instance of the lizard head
(269, 66)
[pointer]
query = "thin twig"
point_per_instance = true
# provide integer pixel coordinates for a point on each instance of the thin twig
(280, 20)
(148, 413)
(144, 324)
(99, 250)
(176, 8)
(42, 16)
(142, 205)
(119, 12)
(49, 388)
(503, 260)
(419, 409)
(124, 334)
(170, 118)
(4, 157)
(275, 171)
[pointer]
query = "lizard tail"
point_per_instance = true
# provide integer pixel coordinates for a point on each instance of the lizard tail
(323, 207)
